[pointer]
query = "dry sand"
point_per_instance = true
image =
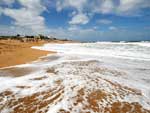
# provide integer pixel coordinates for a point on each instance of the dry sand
(13, 52)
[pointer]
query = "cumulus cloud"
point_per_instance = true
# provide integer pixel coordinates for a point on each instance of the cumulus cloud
(77, 4)
(73, 28)
(130, 6)
(28, 16)
(79, 19)
(13, 30)
(81, 11)
(116, 7)
(25, 18)
(112, 28)
(106, 6)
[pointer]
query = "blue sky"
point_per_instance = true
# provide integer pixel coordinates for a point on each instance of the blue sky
(85, 20)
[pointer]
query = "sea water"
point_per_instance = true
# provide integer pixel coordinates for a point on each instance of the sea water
(118, 71)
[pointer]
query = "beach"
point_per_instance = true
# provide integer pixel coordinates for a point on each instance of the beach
(101, 77)
(14, 52)
(74, 56)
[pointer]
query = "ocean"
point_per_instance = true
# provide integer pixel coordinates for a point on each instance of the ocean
(103, 77)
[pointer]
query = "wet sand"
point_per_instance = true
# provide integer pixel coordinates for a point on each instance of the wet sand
(16, 71)
(77, 97)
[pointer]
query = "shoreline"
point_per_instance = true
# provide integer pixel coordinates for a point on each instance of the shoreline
(13, 52)
(94, 84)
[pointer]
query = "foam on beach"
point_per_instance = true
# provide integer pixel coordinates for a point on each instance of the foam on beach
(81, 78)
(139, 51)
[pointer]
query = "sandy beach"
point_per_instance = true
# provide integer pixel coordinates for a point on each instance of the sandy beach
(76, 81)
(74, 56)
(13, 52)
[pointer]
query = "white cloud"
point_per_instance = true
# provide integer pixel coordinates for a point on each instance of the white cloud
(29, 15)
(25, 18)
(112, 28)
(130, 6)
(73, 28)
(95, 27)
(35, 6)
(119, 7)
(28, 18)
(79, 19)
(77, 4)
(13, 30)
(126, 5)
(104, 21)
(92, 7)
(106, 6)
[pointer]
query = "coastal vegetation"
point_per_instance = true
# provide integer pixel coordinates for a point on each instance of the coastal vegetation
(31, 38)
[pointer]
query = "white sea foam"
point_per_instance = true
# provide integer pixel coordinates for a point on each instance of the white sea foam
(139, 51)
(136, 55)
(121, 70)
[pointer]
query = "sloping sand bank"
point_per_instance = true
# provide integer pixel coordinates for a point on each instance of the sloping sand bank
(13, 52)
